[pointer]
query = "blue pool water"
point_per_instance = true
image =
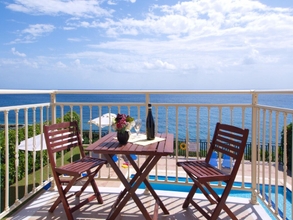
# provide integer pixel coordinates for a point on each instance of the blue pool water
(234, 193)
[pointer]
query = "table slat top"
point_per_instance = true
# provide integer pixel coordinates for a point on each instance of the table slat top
(109, 145)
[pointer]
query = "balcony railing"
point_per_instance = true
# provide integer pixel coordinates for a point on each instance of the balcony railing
(190, 115)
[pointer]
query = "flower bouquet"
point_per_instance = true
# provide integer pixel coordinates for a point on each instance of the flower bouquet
(123, 124)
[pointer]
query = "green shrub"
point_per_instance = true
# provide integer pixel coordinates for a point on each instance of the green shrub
(70, 116)
(289, 145)
(21, 157)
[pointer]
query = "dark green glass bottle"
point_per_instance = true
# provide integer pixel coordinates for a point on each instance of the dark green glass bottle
(150, 124)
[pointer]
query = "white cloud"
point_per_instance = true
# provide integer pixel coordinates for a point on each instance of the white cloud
(193, 43)
(203, 18)
(159, 64)
(15, 52)
(30, 34)
(74, 39)
(55, 7)
(32, 64)
(112, 2)
(77, 62)
(38, 29)
(81, 39)
(59, 64)
(19, 63)
(69, 28)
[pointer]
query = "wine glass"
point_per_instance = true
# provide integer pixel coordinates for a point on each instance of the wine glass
(137, 125)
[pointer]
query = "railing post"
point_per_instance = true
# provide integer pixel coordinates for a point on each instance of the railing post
(147, 100)
(17, 201)
(253, 148)
(6, 131)
(53, 121)
(26, 151)
(53, 108)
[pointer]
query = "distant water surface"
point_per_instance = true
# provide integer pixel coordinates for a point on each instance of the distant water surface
(284, 101)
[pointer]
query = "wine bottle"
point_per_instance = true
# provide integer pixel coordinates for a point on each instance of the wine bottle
(150, 124)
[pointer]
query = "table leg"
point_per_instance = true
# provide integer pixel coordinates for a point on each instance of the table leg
(132, 181)
(132, 162)
(129, 191)
(146, 182)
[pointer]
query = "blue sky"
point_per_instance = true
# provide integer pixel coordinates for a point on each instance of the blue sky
(139, 44)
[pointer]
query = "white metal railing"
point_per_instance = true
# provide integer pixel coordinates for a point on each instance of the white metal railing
(190, 121)
(11, 154)
(270, 171)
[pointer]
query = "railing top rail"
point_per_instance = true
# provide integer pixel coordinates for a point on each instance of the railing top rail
(37, 105)
(19, 91)
(154, 104)
(13, 91)
(273, 108)
(153, 91)
(173, 91)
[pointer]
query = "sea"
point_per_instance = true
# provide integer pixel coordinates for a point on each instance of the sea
(165, 119)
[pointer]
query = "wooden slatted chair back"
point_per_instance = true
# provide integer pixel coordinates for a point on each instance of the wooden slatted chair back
(62, 136)
(228, 140)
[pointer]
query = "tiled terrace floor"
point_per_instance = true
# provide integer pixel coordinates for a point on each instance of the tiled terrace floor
(39, 206)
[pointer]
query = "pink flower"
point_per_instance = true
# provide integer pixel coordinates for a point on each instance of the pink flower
(122, 123)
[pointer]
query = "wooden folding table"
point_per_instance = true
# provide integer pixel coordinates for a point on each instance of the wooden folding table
(109, 146)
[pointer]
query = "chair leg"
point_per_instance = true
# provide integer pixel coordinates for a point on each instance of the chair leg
(62, 198)
(91, 179)
(220, 201)
(200, 210)
(67, 209)
(62, 193)
(97, 192)
(189, 196)
(207, 195)
(77, 194)
(221, 204)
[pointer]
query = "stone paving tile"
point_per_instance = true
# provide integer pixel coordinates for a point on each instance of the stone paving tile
(38, 208)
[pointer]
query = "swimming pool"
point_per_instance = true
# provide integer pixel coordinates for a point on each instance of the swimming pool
(234, 193)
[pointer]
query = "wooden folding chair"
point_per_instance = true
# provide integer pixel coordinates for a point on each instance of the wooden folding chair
(229, 140)
(64, 136)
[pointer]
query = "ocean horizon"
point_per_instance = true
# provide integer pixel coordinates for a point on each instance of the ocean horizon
(159, 112)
